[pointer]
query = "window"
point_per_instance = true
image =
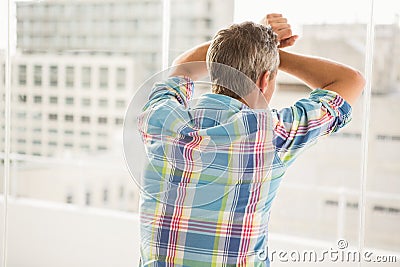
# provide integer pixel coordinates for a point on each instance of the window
(68, 145)
(119, 121)
(37, 142)
(22, 98)
(105, 196)
(85, 133)
(69, 76)
(120, 103)
(85, 102)
(69, 118)
(37, 99)
(53, 100)
(52, 143)
(37, 75)
(121, 192)
(103, 103)
(88, 198)
(69, 132)
(121, 78)
(69, 199)
(69, 101)
(102, 120)
(85, 119)
(53, 117)
(103, 77)
(53, 71)
(53, 131)
(22, 74)
(37, 115)
(86, 77)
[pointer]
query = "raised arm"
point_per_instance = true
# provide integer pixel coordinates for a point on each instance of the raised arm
(316, 72)
(192, 63)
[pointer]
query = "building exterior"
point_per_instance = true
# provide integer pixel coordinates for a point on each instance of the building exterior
(63, 104)
(132, 28)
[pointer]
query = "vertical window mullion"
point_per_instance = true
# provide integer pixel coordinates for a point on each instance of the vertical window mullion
(7, 129)
(369, 56)
(166, 23)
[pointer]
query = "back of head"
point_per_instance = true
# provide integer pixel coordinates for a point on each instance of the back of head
(249, 48)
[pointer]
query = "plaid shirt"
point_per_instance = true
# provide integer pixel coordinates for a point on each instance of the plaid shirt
(214, 167)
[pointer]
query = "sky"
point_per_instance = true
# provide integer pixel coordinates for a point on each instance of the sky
(297, 11)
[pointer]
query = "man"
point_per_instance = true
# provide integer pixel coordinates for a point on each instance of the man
(215, 164)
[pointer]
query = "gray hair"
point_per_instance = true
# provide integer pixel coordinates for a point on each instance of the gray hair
(248, 48)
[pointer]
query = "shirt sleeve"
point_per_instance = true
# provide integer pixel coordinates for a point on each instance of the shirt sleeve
(300, 125)
(177, 88)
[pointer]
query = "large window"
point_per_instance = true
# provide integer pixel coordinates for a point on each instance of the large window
(77, 64)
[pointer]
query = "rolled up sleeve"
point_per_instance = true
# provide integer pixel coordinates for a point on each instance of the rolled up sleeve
(300, 125)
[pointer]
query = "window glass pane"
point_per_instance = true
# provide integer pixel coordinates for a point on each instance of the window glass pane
(86, 77)
(383, 183)
(53, 76)
(37, 75)
(103, 77)
(188, 31)
(69, 76)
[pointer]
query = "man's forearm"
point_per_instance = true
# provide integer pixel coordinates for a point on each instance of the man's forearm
(192, 63)
(324, 74)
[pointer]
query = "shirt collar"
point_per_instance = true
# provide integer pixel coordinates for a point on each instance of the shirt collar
(217, 102)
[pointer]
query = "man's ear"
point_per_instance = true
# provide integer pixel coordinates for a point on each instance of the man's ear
(263, 81)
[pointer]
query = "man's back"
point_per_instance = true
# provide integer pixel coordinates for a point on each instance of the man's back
(214, 169)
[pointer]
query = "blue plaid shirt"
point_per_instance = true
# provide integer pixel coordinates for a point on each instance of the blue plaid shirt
(214, 167)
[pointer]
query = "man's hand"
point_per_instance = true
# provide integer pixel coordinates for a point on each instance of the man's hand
(280, 26)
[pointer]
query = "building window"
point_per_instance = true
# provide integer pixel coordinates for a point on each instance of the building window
(53, 76)
(52, 143)
(86, 77)
(37, 130)
(68, 145)
(103, 103)
(85, 133)
(37, 75)
(69, 76)
(37, 115)
(21, 115)
(88, 198)
(21, 141)
(102, 120)
(119, 121)
(121, 77)
(53, 131)
(22, 74)
(69, 118)
(68, 132)
(22, 98)
(85, 102)
(85, 119)
(37, 99)
(105, 195)
(69, 100)
(120, 103)
(121, 192)
(37, 142)
(53, 117)
(103, 77)
(101, 147)
(85, 146)
(53, 100)
(69, 199)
